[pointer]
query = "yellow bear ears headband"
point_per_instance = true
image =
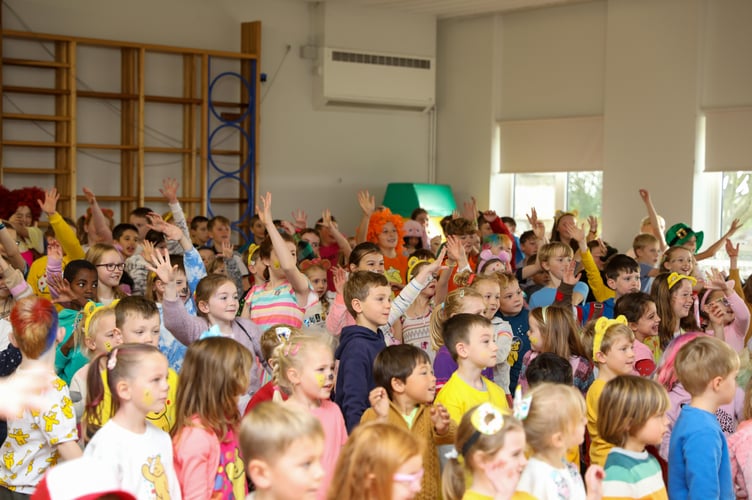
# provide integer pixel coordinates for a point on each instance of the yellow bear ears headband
(675, 278)
(601, 326)
(90, 308)
(412, 263)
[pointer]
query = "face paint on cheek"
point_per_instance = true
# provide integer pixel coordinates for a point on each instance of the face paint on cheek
(275, 264)
(108, 346)
(148, 398)
(321, 379)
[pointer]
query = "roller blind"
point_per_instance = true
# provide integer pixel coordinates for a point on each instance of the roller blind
(551, 144)
(728, 139)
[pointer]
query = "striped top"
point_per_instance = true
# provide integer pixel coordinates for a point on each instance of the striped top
(275, 305)
(633, 475)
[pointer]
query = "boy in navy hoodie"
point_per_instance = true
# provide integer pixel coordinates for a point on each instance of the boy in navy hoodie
(368, 298)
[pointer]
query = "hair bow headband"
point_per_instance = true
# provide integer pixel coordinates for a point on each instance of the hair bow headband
(601, 326)
(412, 264)
(324, 263)
(487, 420)
(675, 278)
(91, 308)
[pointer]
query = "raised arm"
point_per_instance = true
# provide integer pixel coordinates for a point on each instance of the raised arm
(368, 206)
(63, 232)
(342, 243)
(169, 190)
(101, 228)
(654, 223)
(11, 249)
(713, 249)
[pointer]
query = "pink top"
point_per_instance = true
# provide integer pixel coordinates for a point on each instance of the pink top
(734, 332)
(335, 435)
(643, 359)
(740, 451)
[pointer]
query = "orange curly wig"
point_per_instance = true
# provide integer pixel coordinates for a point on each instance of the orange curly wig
(376, 225)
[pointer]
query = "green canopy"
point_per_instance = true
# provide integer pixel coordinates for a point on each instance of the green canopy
(403, 198)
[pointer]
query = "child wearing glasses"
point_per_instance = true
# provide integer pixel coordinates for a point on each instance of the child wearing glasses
(724, 313)
(110, 266)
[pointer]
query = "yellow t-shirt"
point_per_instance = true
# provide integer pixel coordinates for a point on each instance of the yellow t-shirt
(458, 396)
(164, 420)
(598, 447)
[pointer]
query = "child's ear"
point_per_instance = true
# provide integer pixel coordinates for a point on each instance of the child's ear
(159, 285)
(600, 357)
(293, 375)
(544, 265)
(557, 440)
(89, 343)
(461, 349)
(398, 386)
(357, 306)
(611, 283)
(716, 383)
(123, 390)
(633, 326)
(203, 306)
(60, 335)
(258, 471)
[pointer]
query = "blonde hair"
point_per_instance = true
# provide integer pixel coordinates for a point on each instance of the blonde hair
(452, 305)
(369, 459)
(270, 428)
(559, 331)
(554, 408)
(643, 240)
(486, 445)
(700, 361)
(554, 249)
(293, 355)
(506, 279)
(81, 334)
(216, 370)
(468, 279)
(610, 336)
(625, 406)
(96, 253)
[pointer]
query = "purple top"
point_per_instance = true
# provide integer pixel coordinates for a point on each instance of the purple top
(444, 366)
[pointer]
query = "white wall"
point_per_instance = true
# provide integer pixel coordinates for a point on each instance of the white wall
(647, 66)
(309, 158)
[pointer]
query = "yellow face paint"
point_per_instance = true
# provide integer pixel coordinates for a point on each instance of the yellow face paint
(321, 379)
(148, 398)
(108, 346)
(275, 264)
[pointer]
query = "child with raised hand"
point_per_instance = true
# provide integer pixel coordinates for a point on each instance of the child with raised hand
(640, 311)
(282, 449)
(367, 257)
(140, 453)
(698, 457)
(727, 315)
(666, 374)
(672, 293)
(469, 338)
(379, 462)
(316, 271)
(461, 301)
(42, 436)
(413, 327)
(740, 449)
(490, 448)
(217, 305)
(554, 424)
(207, 458)
(96, 334)
(403, 397)
(555, 258)
(553, 329)
(613, 354)
(304, 368)
(631, 416)
(285, 297)
(110, 266)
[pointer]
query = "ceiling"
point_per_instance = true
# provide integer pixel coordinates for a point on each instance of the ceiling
(460, 8)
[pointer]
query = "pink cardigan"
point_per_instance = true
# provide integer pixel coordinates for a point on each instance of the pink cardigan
(740, 451)
(196, 456)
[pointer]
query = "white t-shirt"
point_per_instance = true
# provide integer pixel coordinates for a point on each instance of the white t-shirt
(142, 462)
(545, 482)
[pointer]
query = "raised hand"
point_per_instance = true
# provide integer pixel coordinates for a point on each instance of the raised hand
(264, 209)
(49, 205)
(593, 224)
(645, 195)
(539, 229)
(300, 218)
(732, 250)
(568, 276)
(339, 277)
(735, 225)
(54, 251)
(227, 250)
(148, 251)
(90, 198)
(161, 266)
(379, 401)
(440, 418)
(367, 202)
(490, 215)
(60, 287)
(288, 227)
(169, 190)
(470, 209)
(454, 249)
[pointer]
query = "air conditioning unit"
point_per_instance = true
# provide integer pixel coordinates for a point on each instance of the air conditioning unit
(369, 79)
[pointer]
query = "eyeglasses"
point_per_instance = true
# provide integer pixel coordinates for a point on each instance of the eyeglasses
(112, 266)
(409, 478)
(723, 301)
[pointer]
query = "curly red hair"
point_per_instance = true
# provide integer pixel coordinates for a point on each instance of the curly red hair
(378, 221)
(11, 200)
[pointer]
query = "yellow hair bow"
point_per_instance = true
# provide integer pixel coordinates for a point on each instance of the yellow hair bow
(91, 308)
(675, 278)
(601, 326)
(252, 248)
(412, 263)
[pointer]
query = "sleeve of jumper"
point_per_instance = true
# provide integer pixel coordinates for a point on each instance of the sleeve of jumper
(407, 296)
(194, 268)
(67, 237)
(600, 291)
(354, 402)
(335, 320)
(183, 326)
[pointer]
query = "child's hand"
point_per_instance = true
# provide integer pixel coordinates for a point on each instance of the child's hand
(593, 224)
(502, 476)
(539, 229)
(594, 482)
(645, 195)
(171, 231)
(288, 227)
(148, 251)
(164, 271)
(454, 249)
(60, 287)
(170, 190)
(367, 202)
(49, 205)
(456, 214)
(379, 401)
(54, 251)
(440, 418)
(568, 276)
(227, 250)
(577, 232)
(264, 210)
(735, 225)
(715, 278)
(470, 209)
(438, 264)
(732, 250)
(490, 216)
(300, 218)
(90, 198)
(339, 277)
(24, 390)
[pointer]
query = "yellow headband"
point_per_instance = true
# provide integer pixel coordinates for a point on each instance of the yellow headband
(251, 250)
(91, 308)
(675, 278)
(601, 326)
(412, 263)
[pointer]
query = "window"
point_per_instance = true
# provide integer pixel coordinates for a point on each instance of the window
(736, 203)
(548, 192)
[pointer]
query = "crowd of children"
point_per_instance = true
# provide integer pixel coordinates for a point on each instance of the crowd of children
(399, 364)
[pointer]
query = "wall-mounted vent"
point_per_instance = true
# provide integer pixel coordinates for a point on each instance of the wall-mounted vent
(371, 79)
(381, 59)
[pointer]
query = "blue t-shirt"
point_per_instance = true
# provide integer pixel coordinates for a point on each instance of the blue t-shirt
(545, 296)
